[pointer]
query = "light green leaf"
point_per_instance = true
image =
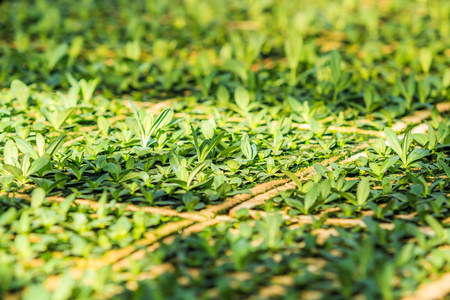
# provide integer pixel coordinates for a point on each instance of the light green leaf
(432, 140)
(63, 116)
(25, 147)
(14, 171)
(406, 143)
(388, 163)
(40, 143)
(392, 139)
(11, 153)
(311, 197)
(20, 91)
(242, 98)
(416, 155)
(208, 128)
(37, 197)
(55, 145)
(223, 96)
(163, 119)
(363, 191)
(294, 178)
(425, 59)
(37, 165)
(56, 54)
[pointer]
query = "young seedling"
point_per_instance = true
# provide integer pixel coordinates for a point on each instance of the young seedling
(339, 79)
(277, 143)
(244, 107)
(407, 158)
(146, 126)
(428, 140)
(249, 149)
(185, 178)
(88, 88)
(24, 169)
(208, 146)
(379, 171)
(310, 192)
(57, 117)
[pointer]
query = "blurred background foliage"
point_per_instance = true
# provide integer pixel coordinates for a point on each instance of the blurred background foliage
(165, 46)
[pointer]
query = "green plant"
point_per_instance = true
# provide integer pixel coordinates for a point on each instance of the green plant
(98, 194)
(145, 125)
(407, 157)
(407, 90)
(248, 148)
(339, 79)
(208, 146)
(292, 48)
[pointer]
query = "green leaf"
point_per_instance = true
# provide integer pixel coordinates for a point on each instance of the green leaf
(14, 171)
(249, 149)
(65, 287)
(223, 96)
(421, 138)
(37, 197)
(335, 66)
(11, 153)
(437, 227)
(392, 139)
(22, 245)
(406, 143)
(242, 98)
(88, 88)
(112, 168)
(56, 54)
(197, 147)
(138, 119)
(208, 128)
(227, 151)
(416, 155)
(295, 203)
(55, 145)
(425, 59)
(294, 178)
(102, 204)
(388, 163)
(363, 191)
(128, 176)
(212, 145)
(25, 147)
(432, 140)
(8, 217)
(40, 143)
(311, 197)
(64, 115)
(325, 188)
(103, 125)
(321, 170)
(376, 169)
(163, 119)
(237, 68)
(368, 97)
(37, 165)
(20, 91)
(445, 167)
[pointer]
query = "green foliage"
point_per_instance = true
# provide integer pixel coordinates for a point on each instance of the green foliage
(259, 123)
(407, 157)
(146, 126)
